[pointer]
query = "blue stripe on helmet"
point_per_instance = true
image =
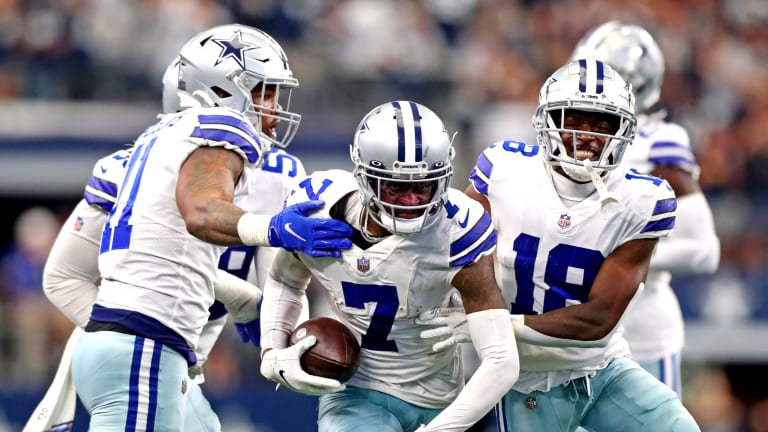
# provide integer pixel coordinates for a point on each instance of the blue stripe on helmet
(400, 132)
(600, 77)
(417, 131)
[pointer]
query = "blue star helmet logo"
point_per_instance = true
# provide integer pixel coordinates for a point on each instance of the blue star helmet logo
(233, 48)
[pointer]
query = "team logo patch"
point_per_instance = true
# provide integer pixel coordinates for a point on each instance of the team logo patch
(530, 402)
(565, 221)
(363, 264)
(79, 222)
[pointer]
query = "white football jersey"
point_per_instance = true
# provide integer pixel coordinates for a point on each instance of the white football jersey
(379, 289)
(149, 262)
(548, 255)
(657, 143)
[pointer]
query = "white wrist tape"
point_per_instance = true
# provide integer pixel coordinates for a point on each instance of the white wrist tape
(253, 229)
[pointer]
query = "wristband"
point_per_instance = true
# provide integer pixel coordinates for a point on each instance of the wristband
(253, 229)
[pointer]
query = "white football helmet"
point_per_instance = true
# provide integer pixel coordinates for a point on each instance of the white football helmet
(633, 53)
(402, 141)
(584, 85)
(235, 59)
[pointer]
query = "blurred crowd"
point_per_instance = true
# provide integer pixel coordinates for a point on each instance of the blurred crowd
(478, 63)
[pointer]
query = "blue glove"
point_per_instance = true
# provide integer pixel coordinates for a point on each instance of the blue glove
(250, 331)
(291, 229)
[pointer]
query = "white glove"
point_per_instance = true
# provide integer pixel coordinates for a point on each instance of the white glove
(283, 366)
(451, 327)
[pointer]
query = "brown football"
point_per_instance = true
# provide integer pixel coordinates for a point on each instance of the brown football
(336, 353)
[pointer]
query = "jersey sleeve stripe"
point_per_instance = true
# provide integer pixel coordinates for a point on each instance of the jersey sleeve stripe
(106, 187)
(660, 225)
(98, 201)
(472, 255)
(484, 166)
(475, 242)
(101, 193)
(481, 174)
(672, 153)
(665, 206)
(246, 144)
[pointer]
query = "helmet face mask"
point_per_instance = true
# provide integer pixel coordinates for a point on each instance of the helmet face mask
(633, 53)
(402, 147)
(227, 65)
(594, 89)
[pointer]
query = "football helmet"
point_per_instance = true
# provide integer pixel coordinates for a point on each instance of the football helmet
(633, 53)
(584, 85)
(223, 65)
(402, 141)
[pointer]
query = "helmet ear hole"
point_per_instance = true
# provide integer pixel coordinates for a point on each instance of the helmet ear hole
(220, 92)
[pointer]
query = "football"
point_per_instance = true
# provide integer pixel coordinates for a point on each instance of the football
(336, 353)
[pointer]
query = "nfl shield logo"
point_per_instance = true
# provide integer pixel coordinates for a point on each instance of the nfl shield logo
(363, 264)
(565, 221)
(530, 402)
(183, 386)
(79, 223)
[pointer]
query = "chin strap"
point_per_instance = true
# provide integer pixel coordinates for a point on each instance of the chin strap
(607, 199)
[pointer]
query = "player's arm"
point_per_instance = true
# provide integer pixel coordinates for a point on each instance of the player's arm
(616, 284)
(280, 310)
(693, 247)
(204, 195)
(493, 338)
(71, 271)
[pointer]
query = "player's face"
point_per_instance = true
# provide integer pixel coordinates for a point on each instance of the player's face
(407, 194)
(585, 145)
(268, 124)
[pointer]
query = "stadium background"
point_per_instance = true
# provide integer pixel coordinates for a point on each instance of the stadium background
(80, 78)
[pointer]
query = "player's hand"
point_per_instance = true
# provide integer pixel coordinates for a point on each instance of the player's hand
(283, 367)
(250, 331)
(291, 229)
(451, 327)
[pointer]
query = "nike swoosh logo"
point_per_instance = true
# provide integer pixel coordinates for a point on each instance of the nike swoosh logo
(282, 375)
(292, 232)
(466, 220)
(103, 170)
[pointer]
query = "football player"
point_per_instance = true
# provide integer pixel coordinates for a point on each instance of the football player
(663, 149)
(575, 242)
(175, 210)
(414, 238)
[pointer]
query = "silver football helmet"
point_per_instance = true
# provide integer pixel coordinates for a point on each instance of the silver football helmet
(398, 142)
(633, 53)
(223, 65)
(584, 85)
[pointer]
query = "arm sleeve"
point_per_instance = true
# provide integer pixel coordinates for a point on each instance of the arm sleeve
(282, 300)
(693, 247)
(493, 338)
(71, 271)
